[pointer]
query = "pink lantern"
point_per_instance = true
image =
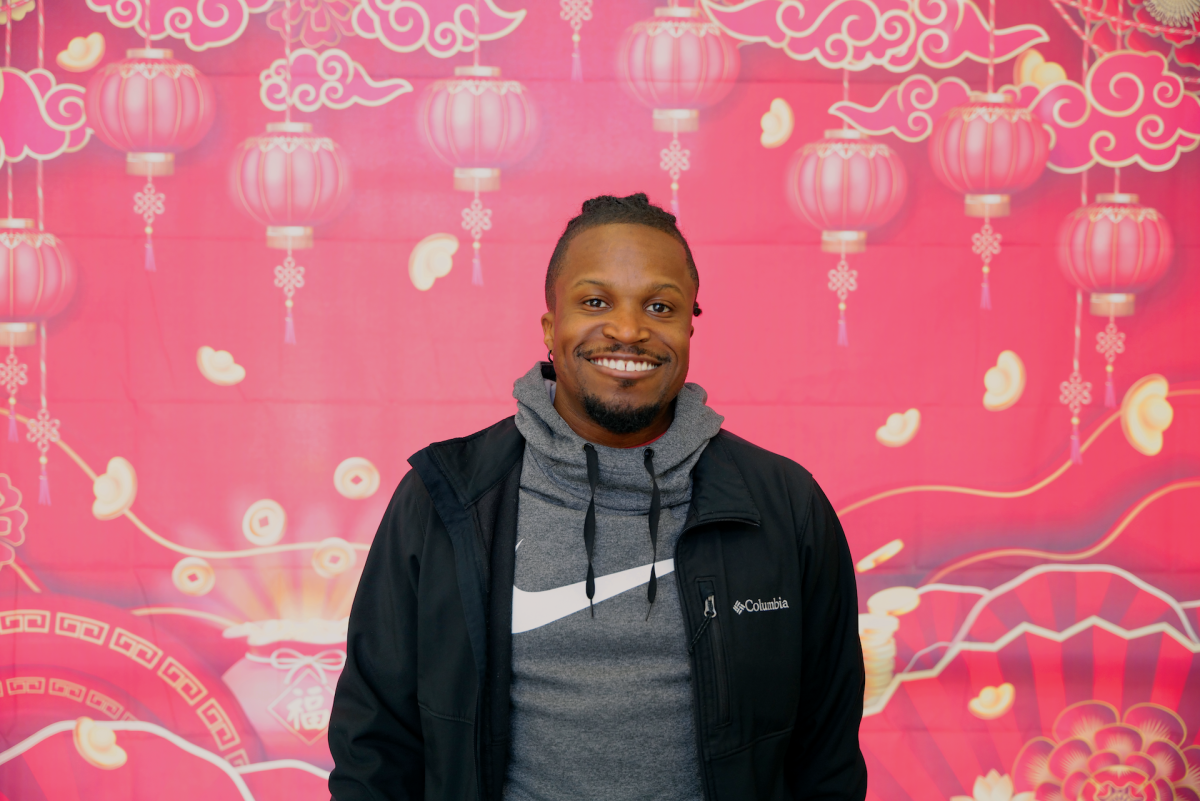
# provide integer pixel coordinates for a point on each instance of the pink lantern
(478, 123)
(1113, 249)
(845, 185)
(677, 63)
(152, 107)
(37, 281)
(988, 149)
(289, 180)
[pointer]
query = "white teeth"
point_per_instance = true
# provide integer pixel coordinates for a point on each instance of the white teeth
(625, 366)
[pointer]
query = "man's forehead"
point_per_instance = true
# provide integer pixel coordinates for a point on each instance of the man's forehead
(625, 252)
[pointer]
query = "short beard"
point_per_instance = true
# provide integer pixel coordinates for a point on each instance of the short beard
(620, 420)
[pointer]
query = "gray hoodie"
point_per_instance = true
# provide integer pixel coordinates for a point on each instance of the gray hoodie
(602, 706)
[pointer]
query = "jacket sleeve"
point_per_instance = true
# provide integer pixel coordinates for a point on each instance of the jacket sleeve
(375, 725)
(825, 762)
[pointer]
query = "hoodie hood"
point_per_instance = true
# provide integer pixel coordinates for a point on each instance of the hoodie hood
(624, 485)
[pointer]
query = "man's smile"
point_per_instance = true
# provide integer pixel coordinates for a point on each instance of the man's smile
(623, 366)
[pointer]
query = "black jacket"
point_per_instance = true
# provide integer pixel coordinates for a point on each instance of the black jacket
(422, 706)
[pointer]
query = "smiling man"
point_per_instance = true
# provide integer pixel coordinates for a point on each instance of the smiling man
(606, 596)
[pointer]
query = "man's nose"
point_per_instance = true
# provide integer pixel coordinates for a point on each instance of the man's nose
(627, 326)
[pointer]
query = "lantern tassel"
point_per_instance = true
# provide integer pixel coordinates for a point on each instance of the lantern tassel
(44, 488)
(985, 296)
(150, 265)
(675, 203)
(289, 329)
(842, 338)
(1110, 393)
(12, 426)
(576, 66)
(1076, 454)
(476, 270)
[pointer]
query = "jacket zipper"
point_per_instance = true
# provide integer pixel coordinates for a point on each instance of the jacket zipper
(706, 778)
(716, 647)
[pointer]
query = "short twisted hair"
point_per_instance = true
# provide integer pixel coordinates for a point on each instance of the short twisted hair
(610, 210)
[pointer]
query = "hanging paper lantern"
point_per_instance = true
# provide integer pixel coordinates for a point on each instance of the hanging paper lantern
(1113, 249)
(289, 179)
(677, 63)
(988, 149)
(478, 123)
(37, 281)
(845, 185)
(152, 107)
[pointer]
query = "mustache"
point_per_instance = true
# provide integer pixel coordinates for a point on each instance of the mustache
(628, 350)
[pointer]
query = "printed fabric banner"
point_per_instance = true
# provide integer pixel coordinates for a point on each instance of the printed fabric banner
(256, 253)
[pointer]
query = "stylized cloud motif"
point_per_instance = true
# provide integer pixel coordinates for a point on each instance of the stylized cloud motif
(856, 34)
(39, 118)
(405, 26)
(1130, 110)
(907, 110)
(201, 24)
(950, 31)
(329, 79)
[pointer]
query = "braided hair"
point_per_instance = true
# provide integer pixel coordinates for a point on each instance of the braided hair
(609, 210)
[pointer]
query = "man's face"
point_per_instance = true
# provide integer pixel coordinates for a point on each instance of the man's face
(621, 326)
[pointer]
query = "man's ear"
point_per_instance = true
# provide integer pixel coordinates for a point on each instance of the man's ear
(548, 330)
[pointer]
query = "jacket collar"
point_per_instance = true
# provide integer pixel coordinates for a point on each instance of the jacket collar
(719, 490)
(473, 465)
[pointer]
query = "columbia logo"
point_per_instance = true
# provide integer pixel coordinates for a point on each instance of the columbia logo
(759, 605)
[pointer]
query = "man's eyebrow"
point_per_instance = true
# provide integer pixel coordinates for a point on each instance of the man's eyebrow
(667, 286)
(595, 281)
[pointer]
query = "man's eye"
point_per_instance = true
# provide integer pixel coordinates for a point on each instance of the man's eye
(594, 303)
(659, 308)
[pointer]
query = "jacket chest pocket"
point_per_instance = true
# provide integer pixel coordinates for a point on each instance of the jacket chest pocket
(708, 645)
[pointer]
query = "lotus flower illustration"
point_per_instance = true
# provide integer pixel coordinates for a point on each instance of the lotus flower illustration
(12, 521)
(1098, 755)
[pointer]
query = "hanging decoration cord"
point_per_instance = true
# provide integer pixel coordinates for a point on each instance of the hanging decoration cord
(575, 13)
(43, 429)
(13, 375)
(674, 158)
(289, 277)
(287, 61)
(1075, 393)
(842, 281)
(991, 46)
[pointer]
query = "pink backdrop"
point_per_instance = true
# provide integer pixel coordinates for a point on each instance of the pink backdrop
(1095, 600)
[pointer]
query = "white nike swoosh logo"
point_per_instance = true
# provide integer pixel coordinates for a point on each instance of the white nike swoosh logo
(533, 610)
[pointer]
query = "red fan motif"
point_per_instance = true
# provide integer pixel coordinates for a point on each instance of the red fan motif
(1061, 635)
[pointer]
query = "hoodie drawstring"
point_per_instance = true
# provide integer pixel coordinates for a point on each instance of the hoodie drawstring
(589, 525)
(589, 522)
(655, 510)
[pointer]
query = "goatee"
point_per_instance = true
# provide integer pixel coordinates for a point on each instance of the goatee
(620, 419)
